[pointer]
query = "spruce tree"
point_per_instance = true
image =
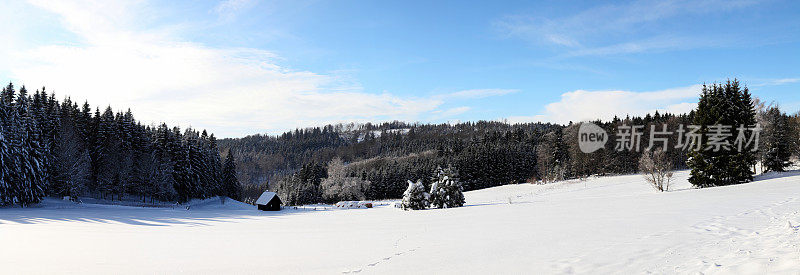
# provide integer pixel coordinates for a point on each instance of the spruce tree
(30, 171)
(7, 161)
(194, 168)
(230, 183)
(7, 167)
(106, 157)
(415, 197)
(446, 191)
(777, 140)
(7, 96)
(31, 167)
(216, 165)
(727, 105)
(70, 163)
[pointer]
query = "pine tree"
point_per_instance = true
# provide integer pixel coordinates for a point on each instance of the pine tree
(552, 156)
(7, 168)
(184, 184)
(777, 140)
(7, 160)
(31, 167)
(794, 134)
(215, 165)
(194, 165)
(162, 167)
(84, 122)
(415, 197)
(106, 154)
(446, 191)
(728, 105)
(141, 149)
(70, 163)
(7, 95)
(230, 183)
(307, 183)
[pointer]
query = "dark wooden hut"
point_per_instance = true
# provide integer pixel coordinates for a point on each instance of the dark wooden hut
(269, 201)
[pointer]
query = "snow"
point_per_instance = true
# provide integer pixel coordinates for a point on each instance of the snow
(600, 225)
(354, 204)
(265, 197)
(218, 203)
(377, 133)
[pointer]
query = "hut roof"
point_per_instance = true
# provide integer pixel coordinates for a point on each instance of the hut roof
(266, 197)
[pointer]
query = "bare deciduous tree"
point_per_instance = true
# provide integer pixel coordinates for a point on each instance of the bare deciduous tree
(657, 169)
(339, 186)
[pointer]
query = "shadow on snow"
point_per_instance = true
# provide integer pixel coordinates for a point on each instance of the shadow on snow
(140, 216)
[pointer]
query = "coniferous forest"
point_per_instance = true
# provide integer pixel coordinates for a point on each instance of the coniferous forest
(376, 161)
(60, 148)
(383, 157)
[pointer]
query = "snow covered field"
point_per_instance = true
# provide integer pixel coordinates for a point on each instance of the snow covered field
(601, 225)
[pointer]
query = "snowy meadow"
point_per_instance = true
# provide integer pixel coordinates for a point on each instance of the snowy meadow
(399, 137)
(615, 224)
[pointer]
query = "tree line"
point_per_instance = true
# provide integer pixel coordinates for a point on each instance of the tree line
(375, 161)
(60, 148)
(484, 154)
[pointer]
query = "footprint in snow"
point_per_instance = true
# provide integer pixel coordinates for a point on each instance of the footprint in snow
(793, 227)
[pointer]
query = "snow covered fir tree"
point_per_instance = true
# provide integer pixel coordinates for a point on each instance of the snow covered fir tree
(446, 191)
(415, 197)
(52, 148)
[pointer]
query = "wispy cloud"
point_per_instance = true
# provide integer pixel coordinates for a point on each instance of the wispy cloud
(581, 105)
(615, 28)
(775, 82)
(229, 9)
(652, 44)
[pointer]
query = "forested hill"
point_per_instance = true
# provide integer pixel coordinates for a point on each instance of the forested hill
(52, 148)
(356, 162)
(260, 156)
(376, 160)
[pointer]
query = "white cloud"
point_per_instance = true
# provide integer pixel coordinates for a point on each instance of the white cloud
(230, 91)
(584, 105)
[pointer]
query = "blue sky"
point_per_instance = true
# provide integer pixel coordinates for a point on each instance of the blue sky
(241, 67)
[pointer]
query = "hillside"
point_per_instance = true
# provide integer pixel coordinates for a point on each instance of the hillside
(484, 154)
(600, 225)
